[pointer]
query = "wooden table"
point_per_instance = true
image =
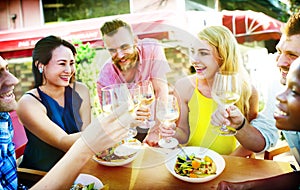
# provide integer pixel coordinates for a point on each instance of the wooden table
(149, 172)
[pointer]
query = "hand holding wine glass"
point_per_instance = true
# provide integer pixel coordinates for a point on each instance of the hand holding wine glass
(226, 92)
(126, 93)
(167, 112)
(126, 96)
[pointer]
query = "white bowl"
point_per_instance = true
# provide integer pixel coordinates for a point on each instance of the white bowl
(199, 152)
(86, 179)
(132, 147)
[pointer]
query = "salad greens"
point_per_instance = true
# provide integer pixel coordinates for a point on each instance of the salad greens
(80, 186)
(195, 167)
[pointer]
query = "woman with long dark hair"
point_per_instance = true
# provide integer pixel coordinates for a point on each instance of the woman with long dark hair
(57, 109)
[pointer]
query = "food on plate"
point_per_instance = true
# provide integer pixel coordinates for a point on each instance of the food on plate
(195, 167)
(109, 154)
(80, 186)
(126, 149)
(87, 182)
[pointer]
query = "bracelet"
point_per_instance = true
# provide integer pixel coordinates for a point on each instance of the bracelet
(242, 125)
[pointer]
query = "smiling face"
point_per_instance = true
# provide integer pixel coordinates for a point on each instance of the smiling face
(204, 59)
(121, 46)
(288, 50)
(288, 108)
(60, 68)
(7, 85)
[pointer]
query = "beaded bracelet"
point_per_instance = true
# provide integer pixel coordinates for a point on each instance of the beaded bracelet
(242, 125)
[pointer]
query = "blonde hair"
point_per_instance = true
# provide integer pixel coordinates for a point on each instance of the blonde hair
(227, 49)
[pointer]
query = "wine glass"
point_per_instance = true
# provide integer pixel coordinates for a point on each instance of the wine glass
(147, 98)
(106, 100)
(135, 93)
(167, 112)
(226, 92)
(129, 93)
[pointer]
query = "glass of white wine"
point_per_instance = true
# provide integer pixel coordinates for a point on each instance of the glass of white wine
(127, 93)
(147, 98)
(167, 112)
(107, 100)
(226, 91)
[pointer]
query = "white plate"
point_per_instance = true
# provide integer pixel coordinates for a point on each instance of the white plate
(86, 179)
(199, 152)
(127, 148)
(130, 147)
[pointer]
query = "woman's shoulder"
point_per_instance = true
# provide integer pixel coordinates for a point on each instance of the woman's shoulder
(33, 93)
(80, 88)
(29, 99)
(185, 86)
(186, 82)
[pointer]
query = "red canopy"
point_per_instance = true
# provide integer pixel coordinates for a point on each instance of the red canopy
(248, 26)
(20, 42)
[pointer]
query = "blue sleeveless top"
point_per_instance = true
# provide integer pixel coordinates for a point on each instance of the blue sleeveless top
(40, 155)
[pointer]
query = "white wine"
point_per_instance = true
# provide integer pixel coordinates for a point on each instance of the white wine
(226, 91)
(131, 107)
(226, 98)
(107, 108)
(147, 100)
(164, 117)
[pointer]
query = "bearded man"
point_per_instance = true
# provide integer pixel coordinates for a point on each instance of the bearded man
(133, 61)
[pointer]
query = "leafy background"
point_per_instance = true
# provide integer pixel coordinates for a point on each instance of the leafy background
(87, 71)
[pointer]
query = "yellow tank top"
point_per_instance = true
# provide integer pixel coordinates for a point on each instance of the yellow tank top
(201, 131)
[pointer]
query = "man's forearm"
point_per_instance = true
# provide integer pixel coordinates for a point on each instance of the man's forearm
(248, 135)
(282, 182)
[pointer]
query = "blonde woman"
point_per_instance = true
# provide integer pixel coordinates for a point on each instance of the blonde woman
(216, 50)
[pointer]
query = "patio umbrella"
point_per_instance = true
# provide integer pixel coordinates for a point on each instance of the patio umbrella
(248, 26)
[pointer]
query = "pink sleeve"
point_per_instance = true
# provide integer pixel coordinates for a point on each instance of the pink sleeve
(99, 86)
(154, 55)
(105, 78)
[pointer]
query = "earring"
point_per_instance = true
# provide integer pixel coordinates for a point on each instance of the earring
(41, 70)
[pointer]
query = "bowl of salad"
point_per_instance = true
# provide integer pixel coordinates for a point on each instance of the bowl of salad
(195, 164)
(87, 182)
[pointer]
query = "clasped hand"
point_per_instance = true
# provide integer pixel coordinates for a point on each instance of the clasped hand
(231, 116)
(143, 113)
(167, 130)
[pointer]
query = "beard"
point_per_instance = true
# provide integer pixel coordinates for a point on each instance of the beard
(8, 106)
(131, 59)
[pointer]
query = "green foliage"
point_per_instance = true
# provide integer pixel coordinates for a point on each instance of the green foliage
(273, 8)
(84, 9)
(281, 136)
(295, 6)
(261, 105)
(86, 72)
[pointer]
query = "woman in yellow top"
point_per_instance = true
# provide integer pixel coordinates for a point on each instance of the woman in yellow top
(216, 50)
